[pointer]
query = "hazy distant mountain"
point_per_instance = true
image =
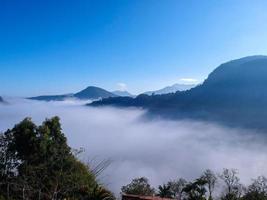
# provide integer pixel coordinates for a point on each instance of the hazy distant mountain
(52, 97)
(1, 100)
(122, 93)
(172, 89)
(234, 93)
(90, 93)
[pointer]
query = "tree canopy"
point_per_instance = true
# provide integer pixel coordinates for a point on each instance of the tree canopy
(139, 186)
(37, 163)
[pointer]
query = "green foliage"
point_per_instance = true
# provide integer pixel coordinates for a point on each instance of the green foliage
(196, 190)
(100, 193)
(203, 187)
(230, 196)
(257, 190)
(177, 187)
(165, 191)
(37, 163)
(254, 195)
(139, 186)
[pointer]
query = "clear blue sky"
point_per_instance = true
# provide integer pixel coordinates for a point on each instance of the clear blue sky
(50, 47)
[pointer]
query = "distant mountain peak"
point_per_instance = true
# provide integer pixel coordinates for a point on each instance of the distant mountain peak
(92, 87)
(172, 89)
(93, 92)
(122, 93)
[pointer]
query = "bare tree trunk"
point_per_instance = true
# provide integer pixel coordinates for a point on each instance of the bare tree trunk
(39, 194)
(54, 196)
(23, 193)
(7, 191)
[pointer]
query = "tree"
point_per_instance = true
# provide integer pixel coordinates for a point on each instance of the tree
(165, 191)
(259, 184)
(38, 163)
(8, 164)
(139, 186)
(196, 190)
(254, 195)
(100, 193)
(211, 179)
(177, 187)
(233, 187)
(257, 190)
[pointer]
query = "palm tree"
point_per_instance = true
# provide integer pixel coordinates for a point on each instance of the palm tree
(165, 191)
(100, 193)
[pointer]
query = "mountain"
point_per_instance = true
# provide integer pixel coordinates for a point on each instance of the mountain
(171, 89)
(52, 97)
(92, 92)
(89, 93)
(234, 94)
(1, 100)
(122, 93)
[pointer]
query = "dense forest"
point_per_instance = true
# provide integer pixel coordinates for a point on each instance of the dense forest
(37, 163)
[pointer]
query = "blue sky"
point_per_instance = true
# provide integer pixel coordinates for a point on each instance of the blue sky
(51, 47)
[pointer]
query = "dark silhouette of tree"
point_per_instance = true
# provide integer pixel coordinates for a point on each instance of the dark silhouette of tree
(139, 186)
(211, 179)
(164, 191)
(100, 193)
(257, 190)
(177, 187)
(196, 190)
(233, 187)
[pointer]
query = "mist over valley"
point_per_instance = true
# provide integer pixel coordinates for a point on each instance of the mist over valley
(138, 146)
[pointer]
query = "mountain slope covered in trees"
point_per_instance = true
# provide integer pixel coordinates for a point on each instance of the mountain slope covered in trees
(234, 93)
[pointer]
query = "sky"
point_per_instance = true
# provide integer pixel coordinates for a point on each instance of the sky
(54, 47)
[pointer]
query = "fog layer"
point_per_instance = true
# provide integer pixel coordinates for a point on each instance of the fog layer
(158, 149)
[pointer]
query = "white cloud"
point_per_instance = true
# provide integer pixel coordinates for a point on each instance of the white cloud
(158, 149)
(188, 80)
(122, 86)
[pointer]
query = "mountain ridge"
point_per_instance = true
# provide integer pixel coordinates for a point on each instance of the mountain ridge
(233, 94)
(171, 89)
(122, 93)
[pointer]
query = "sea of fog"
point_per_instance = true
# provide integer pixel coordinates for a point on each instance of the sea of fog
(158, 149)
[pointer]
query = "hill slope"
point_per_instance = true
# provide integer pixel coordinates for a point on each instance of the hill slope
(234, 93)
